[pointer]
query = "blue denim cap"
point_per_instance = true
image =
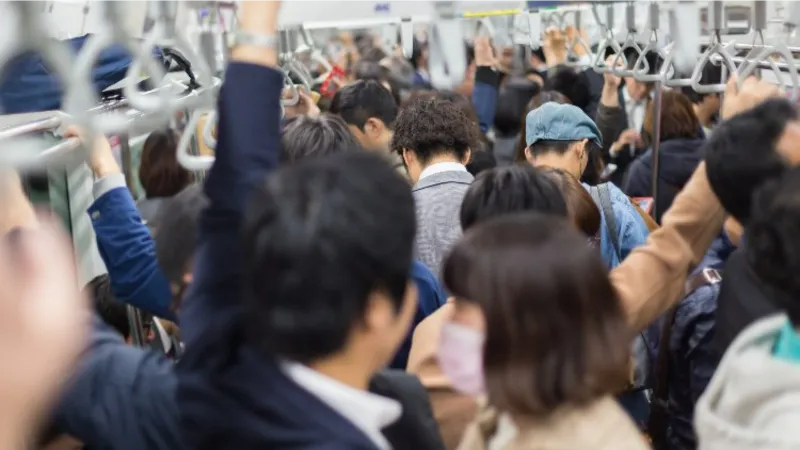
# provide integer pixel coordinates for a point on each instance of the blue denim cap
(557, 122)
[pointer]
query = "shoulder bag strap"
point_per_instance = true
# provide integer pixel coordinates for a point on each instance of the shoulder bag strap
(602, 197)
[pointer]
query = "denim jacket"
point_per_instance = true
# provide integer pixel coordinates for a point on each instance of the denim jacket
(631, 229)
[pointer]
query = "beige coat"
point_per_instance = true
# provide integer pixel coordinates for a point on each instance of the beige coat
(602, 425)
(649, 281)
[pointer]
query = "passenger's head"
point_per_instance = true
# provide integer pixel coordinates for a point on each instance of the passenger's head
(581, 208)
(639, 90)
(749, 149)
(561, 136)
(773, 241)
(328, 247)
(430, 131)
(313, 137)
(512, 104)
(678, 120)
(370, 112)
(159, 171)
(706, 105)
(572, 85)
(534, 308)
(538, 100)
(419, 55)
(508, 190)
(113, 312)
(175, 233)
(480, 161)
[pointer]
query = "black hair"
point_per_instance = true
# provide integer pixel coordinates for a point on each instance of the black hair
(773, 247)
(470, 52)
(741, 154)
(433, 126)
(312, 137)
(572, 84)
(711, 74)
(594, 166)
(416, 52)
(362, 100)
(320, 236)
(113, 312)
(369, 70)
(511, 189)
(512, 104)
(481, 161)
(175, 232)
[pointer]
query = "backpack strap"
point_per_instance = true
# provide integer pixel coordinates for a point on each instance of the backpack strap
(659, 407)
(601, 195)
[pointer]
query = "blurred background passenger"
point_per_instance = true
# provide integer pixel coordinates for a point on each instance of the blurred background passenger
(512, 103)
(680, 152)
(159, 172)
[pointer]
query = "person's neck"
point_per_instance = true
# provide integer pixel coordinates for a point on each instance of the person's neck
(441, 159)
(345, 369)
(557, 161)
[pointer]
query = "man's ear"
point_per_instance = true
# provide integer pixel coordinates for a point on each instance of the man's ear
(528, 155)
(467, 157)
(373, 127)
(582, 149)
(408, 157)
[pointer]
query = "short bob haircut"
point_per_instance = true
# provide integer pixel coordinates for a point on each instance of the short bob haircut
(555, 330)
(678, 120)
(159, 171)
(581, 208)
(313, 137)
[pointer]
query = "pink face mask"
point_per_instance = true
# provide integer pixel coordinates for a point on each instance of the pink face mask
(460, 356)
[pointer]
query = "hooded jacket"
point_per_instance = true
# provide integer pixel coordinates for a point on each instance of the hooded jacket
(678, 158)
(753, 401)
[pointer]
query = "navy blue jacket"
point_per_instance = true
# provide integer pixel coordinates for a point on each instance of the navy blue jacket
(120, 397)
(127, 249)
(231, 397)
(693, 359)
(678, 158)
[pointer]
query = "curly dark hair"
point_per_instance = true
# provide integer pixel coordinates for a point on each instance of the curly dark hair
(433, 126)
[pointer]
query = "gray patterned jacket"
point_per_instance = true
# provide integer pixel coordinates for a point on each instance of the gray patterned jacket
(438, 199)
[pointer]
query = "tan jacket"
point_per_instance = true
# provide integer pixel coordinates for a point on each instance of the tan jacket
(649, 281)
(602, 425)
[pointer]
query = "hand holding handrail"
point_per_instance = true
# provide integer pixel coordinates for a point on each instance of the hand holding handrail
(573, 59)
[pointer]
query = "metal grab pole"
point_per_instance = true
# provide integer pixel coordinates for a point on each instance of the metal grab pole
(656, 143)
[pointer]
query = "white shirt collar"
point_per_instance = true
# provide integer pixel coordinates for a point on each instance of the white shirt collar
(442, 167)
(370, 413)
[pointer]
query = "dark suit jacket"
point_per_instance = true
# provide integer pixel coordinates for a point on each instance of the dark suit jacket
(417, 428)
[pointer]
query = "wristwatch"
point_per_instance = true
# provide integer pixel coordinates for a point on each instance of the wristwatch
(258, 40)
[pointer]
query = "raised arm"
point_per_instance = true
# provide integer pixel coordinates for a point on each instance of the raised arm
(651, 279)
(248, 143)
(124, 242)
(487, 80)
